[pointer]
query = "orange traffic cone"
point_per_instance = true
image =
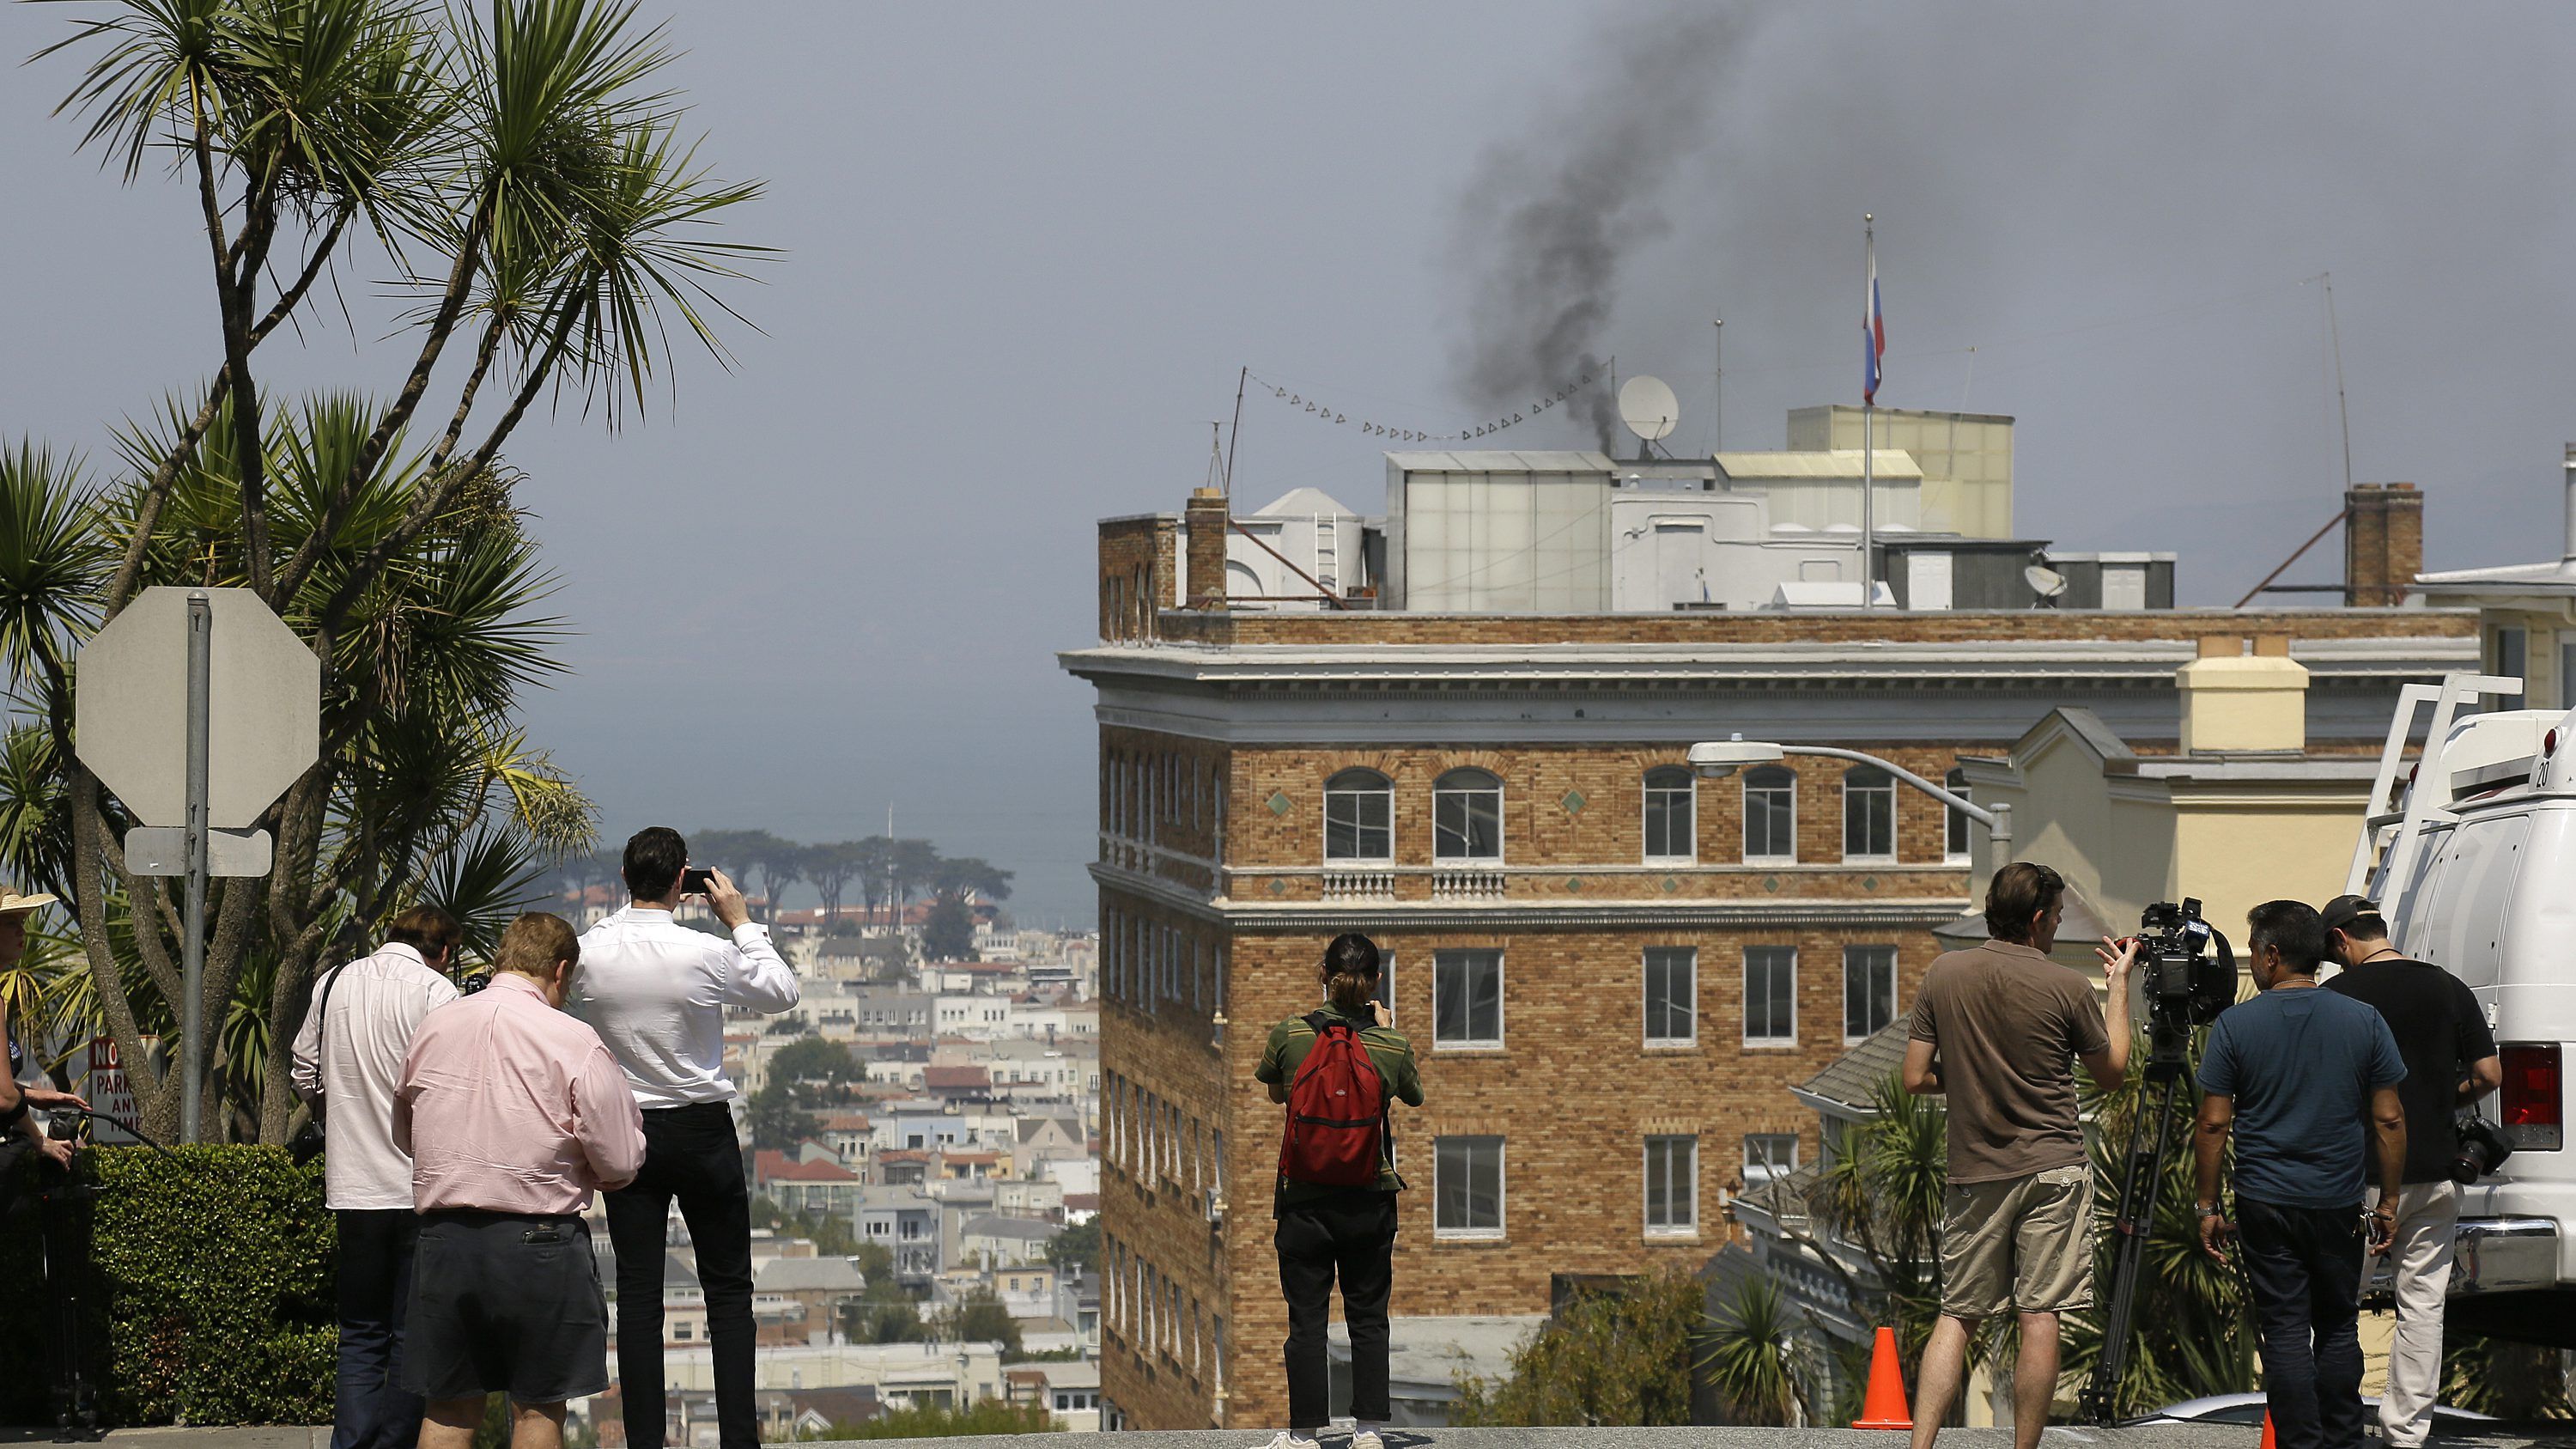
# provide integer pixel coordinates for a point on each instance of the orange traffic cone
(2267, 1429)
(1884, 1408)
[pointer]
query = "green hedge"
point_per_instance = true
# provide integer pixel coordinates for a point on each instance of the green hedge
(212, 1299)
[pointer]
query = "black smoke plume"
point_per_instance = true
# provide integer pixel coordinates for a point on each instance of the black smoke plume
(1550, 219)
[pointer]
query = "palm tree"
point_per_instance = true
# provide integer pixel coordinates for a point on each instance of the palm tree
(525, 176)
(1756, 1356)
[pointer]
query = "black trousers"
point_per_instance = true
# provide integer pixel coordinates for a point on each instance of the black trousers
(691, 1155)
(373, 1409)
(2303, 1266)
(1351, 1235)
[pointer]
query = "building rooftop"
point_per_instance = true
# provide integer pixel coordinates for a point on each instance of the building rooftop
(1853, 1080)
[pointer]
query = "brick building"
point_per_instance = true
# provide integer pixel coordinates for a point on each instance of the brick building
(1612, 971)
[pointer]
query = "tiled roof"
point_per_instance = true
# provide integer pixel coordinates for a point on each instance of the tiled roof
(768, 1166)
(1854, 1077)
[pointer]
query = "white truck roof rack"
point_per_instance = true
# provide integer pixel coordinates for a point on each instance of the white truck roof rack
(2401, 830)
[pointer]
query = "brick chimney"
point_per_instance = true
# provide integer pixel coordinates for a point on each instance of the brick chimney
(1209, 514)
(2234, 701)
(2383, 544)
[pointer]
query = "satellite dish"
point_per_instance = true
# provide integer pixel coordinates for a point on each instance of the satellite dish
(1648, 407)
(2045, 582)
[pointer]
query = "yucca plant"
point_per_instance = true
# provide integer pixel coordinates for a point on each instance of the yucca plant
(521, 168)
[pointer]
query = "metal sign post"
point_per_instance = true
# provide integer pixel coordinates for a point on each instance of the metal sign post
(192, 958)
(197, 708)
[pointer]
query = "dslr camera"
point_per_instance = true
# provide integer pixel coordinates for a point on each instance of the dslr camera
(2186, 972)
(2480, 1148)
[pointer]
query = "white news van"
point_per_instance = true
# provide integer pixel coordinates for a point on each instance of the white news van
(2470, 851)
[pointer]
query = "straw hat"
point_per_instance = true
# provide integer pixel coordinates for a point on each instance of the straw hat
(12, 903)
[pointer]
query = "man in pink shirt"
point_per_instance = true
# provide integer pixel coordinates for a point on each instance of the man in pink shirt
(513, 1114)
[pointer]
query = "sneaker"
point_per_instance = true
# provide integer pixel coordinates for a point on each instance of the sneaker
(1285, 1440)
(1367, 1439)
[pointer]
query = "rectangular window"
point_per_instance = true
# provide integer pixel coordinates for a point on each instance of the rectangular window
(1869, 814)
(1770, 814)
(1768, 1155)
(1869, 990)
(1954, 821)
(1672, 995)
(1770, 995)
(1467, 1187)
(1671, 824)
(1672, 1184)
(1467, 999)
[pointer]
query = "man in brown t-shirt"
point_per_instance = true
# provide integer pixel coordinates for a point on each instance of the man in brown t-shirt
(1998, 1029)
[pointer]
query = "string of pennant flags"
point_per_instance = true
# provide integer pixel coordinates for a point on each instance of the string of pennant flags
(1323, 411)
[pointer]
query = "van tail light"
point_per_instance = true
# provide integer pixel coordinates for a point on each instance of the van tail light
(2534, 1107)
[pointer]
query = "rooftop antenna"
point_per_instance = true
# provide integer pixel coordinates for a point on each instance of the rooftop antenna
(1648, 407)
(1240, 379)
(1216, 455)
(2334, 336)
(1717, 401)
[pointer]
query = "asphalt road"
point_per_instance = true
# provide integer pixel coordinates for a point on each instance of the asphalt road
(2158, 1437)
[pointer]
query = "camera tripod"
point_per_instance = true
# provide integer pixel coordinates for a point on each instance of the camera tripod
(2141, 1183)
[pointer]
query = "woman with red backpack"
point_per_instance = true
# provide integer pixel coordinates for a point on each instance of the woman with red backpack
(1337, 1070)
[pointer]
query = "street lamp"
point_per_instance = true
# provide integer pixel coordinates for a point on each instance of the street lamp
(1717, 759)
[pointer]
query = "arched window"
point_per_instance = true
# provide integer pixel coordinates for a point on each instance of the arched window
(1869, 814)
(1359, 816)
(1954, 834)
(1770, 813)
(1671, 823)
(1467, 816)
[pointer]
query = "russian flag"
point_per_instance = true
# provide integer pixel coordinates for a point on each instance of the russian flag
(1873, 335)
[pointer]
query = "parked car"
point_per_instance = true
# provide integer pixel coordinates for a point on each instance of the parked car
(2248, 1409)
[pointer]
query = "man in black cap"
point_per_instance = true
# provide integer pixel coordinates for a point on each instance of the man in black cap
(2451, 1061)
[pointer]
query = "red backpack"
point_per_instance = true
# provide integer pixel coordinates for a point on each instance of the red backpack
(1337, 1128)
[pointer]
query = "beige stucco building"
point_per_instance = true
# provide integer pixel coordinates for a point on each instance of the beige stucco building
(2240, 812)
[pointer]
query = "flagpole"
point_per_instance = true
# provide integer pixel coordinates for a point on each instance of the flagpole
(1868, 422)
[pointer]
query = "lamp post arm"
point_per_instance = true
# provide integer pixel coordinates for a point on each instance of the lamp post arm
(1960, 803)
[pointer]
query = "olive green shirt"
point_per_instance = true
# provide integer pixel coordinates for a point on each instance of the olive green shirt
(1289, 1042)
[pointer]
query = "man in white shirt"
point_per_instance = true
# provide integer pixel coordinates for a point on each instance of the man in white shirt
(348, 1061)
(656, 992)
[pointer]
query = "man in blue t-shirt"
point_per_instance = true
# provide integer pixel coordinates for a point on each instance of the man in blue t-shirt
(2297, 1073)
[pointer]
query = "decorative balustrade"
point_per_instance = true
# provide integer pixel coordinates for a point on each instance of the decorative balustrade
(1359, 885)
(1467, 885)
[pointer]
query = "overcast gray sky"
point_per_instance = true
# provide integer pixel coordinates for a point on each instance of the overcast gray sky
(1028, 246)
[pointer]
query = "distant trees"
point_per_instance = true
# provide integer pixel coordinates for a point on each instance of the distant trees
(1612, 1356)
(1076, 1247)
(889, 874)
(979, 1317)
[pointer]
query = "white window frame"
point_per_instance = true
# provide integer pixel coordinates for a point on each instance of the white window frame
(1791, 857)
(1889, 790)
(1646, 998)
(1689, 1184)
(1502, 1190)
(1385, 792)
(1689, 792)
(1775, 1170)
(1440, 792)
(2511, 646)
(1955, 824)
(1493, 1043)
(1849, 952)
(1769, 1043)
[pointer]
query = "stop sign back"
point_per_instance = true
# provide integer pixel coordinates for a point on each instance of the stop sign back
(130, 707)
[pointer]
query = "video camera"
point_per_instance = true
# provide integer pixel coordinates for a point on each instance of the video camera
(2186, 972)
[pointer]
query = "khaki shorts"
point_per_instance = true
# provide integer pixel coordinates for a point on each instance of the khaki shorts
(2020, 1243)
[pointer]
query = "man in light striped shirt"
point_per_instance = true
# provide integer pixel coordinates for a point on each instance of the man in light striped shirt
(348, 1061)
